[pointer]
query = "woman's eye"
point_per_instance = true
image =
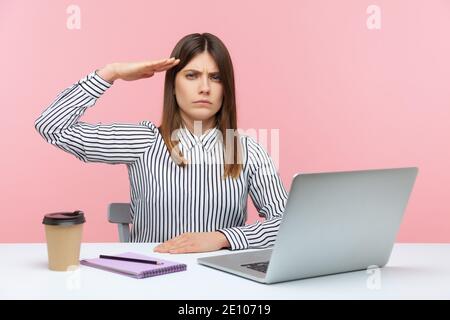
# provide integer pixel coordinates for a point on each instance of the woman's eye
(189, 75)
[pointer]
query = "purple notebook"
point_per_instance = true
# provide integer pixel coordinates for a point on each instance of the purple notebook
(135, 269)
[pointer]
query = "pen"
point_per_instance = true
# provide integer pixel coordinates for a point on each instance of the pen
(102, 256)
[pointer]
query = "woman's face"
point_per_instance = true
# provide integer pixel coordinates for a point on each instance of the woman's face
(199, 80)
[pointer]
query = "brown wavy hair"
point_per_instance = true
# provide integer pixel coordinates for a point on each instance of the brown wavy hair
(185, 50)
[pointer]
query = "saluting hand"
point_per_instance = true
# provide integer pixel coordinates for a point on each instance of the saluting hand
(130, 71)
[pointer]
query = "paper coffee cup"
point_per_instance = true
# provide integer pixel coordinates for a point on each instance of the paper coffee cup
(63, 231)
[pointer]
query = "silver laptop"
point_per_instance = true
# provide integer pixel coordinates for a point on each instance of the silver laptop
(333, 222)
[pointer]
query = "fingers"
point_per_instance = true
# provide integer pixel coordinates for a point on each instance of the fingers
(183, 249)
(173, 244)
(150, 67)
(166, 65)
(160, 63)
(170, 244)
(160, 248)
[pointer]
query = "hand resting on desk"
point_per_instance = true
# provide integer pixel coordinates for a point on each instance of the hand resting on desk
(191, 242)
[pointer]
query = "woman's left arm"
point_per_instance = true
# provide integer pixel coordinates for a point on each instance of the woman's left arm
(269, 197)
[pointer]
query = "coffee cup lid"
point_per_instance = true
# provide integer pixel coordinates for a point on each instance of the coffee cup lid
(64, 218)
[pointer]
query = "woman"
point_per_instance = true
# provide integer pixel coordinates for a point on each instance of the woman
(189, 179)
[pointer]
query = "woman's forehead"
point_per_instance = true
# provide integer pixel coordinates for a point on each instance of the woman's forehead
(202, 62)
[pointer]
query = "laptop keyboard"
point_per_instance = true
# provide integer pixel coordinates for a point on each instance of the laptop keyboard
(258, 266)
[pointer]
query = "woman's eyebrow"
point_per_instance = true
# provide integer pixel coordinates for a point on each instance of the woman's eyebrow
(197, 71)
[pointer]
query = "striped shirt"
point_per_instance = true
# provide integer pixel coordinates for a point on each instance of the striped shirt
(168, 200)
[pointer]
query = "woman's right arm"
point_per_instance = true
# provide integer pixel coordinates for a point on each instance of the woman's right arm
(116, 143)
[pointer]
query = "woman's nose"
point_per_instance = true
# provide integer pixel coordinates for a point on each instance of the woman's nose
(205, 87)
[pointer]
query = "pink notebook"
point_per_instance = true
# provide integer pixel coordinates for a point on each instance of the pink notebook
(135, 269)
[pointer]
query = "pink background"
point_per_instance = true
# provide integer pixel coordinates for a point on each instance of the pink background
(344, 97)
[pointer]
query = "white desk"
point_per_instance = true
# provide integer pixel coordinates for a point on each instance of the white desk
(415, 271)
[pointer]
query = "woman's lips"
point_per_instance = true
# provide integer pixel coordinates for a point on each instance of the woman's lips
(202, 102)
